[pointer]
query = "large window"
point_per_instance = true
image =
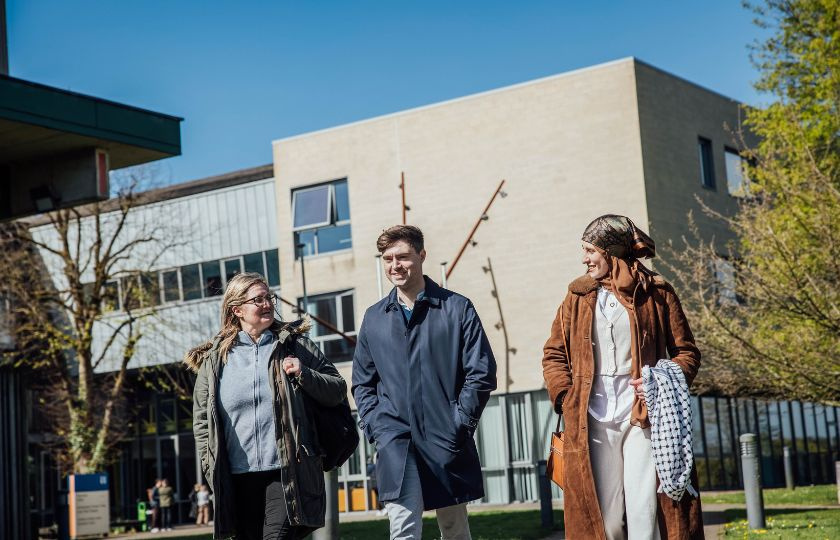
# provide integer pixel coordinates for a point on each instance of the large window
(336, 309)
(190, 282)
(707, 166)
(737, 181)
(321, 218)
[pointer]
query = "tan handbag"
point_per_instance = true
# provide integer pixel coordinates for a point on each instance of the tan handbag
(554, 465)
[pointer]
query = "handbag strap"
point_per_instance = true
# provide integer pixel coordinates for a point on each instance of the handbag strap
(568, 357)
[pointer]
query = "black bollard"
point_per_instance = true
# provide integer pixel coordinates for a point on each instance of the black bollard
(546, 511)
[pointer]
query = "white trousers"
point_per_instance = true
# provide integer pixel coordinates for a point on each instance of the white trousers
(625, 478)
(406, 513)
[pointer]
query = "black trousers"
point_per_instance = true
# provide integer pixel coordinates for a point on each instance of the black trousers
(260, 508)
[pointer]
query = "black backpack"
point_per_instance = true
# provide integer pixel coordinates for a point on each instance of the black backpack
(336, 431)
(334, 427)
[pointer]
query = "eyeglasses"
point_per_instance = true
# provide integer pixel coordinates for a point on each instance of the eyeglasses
(262, 300)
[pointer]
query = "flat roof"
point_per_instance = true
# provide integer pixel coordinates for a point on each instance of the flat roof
(39, 121)
(412, 110)
(175, 191)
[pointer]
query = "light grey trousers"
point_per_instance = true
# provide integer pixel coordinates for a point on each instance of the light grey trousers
(625, 478)
(406, 512)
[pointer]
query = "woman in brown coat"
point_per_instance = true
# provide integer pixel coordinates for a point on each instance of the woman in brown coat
(615, 319)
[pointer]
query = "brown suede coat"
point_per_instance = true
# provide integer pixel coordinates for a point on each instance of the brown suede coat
(659, 330)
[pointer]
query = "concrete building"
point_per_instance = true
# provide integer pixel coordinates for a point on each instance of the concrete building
(622, 137)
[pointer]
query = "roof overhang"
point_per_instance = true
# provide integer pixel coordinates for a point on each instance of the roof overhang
(57, 147)
(39, 122)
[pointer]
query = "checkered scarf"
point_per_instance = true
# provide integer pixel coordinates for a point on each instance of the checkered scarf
(669, 410)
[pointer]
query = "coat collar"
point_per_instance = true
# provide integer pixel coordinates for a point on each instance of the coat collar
(583, 285)
(433, 295)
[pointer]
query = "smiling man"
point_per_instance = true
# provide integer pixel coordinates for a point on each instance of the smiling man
(422, 374)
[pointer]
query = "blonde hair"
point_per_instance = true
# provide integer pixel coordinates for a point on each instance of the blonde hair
(236, 293)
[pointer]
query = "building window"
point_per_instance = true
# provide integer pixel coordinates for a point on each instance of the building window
(170, 286)
(338, 311)
(266, 263)
(737, 180)
(321, 218)
(707, 167)
(272, 268)
(724, 275)
(191, 281)
(111, 296)
(6, 337)
(212, 274)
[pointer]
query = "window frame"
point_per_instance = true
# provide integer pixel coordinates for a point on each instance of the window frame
(331, 210)
(177, 270)
(339, 315)
(333, 223)
(704, 143)
(744, 190)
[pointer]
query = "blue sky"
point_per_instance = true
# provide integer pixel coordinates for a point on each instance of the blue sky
(243, 74)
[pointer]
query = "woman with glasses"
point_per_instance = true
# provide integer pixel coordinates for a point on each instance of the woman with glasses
(253, 427)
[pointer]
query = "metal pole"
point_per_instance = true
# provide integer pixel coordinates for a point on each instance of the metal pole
(303, 277)
(837, 476)
(750, 458)
(546, 512)
(443, 274)
(4, 41)
(378, 259)
(330, 529)
(788, 461)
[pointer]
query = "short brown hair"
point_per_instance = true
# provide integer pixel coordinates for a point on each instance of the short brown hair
(407, 233)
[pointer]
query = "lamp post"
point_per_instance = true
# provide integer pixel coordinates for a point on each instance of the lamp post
(302, 247)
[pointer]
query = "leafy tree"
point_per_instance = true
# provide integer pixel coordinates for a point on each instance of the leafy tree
(781, 338)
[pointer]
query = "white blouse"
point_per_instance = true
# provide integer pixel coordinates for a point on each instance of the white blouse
(612, 396)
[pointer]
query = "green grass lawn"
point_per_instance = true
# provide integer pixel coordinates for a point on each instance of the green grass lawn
(786, 523)
(491, 525)
(807, 495)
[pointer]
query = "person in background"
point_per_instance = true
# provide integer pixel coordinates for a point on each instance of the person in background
(154, 505)
(166, 497)
(615, 319)
(202, 500)
(193, 503)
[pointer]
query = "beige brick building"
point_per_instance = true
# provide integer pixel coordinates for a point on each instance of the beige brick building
(622, 137)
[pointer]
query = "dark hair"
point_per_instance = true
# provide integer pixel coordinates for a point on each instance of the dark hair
(407, 233)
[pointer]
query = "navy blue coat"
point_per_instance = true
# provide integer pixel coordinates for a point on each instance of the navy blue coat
(424, 383)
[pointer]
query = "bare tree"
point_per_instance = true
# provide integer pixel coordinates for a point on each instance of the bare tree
(82, 299)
